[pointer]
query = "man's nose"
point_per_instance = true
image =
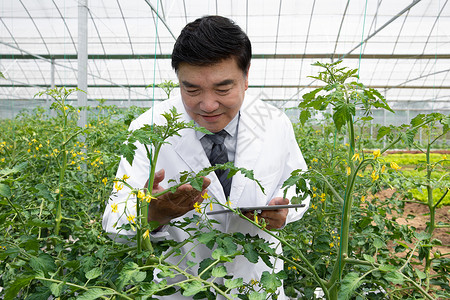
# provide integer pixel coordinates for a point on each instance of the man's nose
(209, 103)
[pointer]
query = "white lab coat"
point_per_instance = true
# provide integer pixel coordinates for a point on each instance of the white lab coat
(265, 144)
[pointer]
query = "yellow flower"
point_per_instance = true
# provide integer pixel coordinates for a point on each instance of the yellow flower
(82, 158)
(331, 245)
(66, 108)
(197, 207)
(118, 186)
(444, 157)
(322, 197)
(349, 171)
(114, 207)
(205, 195)
(313, 206)
(256, 218)
(149, 198)
(210, 206)
(37, 148)
(125, 177)
(140, 194)
(363, 198)
(314, 189)
(356, 157)
(2, 160)
(29, 150)
(374, 175)
(376, 153)
(383, 168)
(395, 166)
(146, 234)
(79, 168)
(130, 218)
(105, 180)
(315, 160)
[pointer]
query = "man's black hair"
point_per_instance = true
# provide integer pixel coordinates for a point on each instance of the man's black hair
(209, 40)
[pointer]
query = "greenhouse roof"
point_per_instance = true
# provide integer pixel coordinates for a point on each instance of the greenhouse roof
(402, 47)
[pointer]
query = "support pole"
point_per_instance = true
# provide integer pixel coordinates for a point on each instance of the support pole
(82, 59)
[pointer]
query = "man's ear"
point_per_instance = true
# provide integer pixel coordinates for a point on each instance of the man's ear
(246, 77)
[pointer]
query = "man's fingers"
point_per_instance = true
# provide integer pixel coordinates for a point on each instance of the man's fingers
(206, 182)
(279, 201)
(159, 176)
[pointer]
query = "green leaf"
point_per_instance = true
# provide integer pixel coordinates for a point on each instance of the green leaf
(94, 273)
(270, 281)
(5, 191)
(348, 285)
(94, 293)
(254, 295)
(43, 264)
(39, 223)
(342, 113)
(221, 254)
(250, 253)
(417, 120)
(197, 183)
(190, 264)
(14, 288)
(15, 169)
(387, 268)
(311, 95)
(420, 274)
(44, 192)
(127, 150)
(384, 130)
(304, 116)
(208, 238)
(369, 258)
(394, 277)
(378, 243)
(192, 288)
(421, 236)
(234, 283)
(219, 271)
(368, 118)
(57, 288)
(130, 274)
(203, 265)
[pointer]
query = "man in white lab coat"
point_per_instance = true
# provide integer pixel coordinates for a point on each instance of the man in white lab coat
(211, 58)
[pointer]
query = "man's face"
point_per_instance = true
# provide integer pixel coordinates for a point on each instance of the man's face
(212, 95)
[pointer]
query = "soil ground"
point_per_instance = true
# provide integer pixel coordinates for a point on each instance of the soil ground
(421, 213)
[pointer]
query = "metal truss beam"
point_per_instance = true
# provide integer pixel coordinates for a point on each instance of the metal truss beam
(255, 56)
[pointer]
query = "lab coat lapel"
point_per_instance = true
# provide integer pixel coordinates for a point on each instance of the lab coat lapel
(192, 153)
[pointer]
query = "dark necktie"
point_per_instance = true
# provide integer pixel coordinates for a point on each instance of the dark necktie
(219, 155)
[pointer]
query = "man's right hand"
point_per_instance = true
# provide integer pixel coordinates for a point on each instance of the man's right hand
(173, 205)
